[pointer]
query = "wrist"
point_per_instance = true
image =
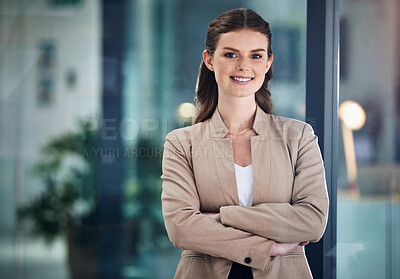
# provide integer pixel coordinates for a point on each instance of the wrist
(274, 250)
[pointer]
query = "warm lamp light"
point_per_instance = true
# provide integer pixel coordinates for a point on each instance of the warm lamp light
(353, 118)
(186, 110)
(352, 114)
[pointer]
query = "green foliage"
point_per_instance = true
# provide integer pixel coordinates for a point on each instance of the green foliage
(67, 170)
(49, 212)
(68, 179)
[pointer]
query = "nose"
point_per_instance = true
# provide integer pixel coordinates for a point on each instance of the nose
(243, 65)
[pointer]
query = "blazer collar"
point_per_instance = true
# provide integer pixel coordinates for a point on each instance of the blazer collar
(219, 130)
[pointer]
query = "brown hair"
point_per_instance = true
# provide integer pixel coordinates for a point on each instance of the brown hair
(207, 88)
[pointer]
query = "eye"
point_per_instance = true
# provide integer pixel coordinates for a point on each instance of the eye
(230, 55)
(256, 56)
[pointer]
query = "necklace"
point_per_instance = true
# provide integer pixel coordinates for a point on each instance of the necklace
(240, 132)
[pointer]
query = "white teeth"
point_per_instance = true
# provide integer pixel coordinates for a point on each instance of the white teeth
(241, 79)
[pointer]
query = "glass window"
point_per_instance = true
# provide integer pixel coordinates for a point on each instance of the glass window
(369, 171)
(64, 161)
(50, 82)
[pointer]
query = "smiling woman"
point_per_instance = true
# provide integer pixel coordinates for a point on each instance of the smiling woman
(246, 64)
(236, 37)
(248, 208)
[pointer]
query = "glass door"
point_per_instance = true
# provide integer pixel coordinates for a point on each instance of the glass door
(368, 216)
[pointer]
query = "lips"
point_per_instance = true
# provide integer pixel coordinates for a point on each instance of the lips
(242, 79)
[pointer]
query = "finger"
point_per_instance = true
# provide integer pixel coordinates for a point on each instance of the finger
(292, 247)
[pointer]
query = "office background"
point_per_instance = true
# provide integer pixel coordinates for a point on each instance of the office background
(90, 88)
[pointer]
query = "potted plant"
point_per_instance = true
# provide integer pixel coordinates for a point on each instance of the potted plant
(66, 206)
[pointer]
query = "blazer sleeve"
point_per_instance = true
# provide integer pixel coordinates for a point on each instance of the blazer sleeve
(304, 219)
(189, 229)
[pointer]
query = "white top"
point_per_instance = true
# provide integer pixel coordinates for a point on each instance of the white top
(244, 182)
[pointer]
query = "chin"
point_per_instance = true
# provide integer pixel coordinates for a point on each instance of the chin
(243, 94)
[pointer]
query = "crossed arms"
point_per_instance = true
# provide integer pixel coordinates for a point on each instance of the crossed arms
(238, 236)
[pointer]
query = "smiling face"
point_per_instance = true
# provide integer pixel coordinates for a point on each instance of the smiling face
(240, 62)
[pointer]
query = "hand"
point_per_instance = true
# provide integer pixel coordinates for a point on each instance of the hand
(304, 243)
(284, 248)
(215, 216)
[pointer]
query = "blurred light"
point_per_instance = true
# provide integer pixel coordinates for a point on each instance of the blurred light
(352, 115)
(186, 110)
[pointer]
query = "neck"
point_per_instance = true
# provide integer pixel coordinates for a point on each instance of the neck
(237, 115)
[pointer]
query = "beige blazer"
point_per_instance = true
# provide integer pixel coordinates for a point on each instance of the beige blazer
(290, 201)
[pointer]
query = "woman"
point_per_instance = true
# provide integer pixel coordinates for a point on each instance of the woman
(243, 190)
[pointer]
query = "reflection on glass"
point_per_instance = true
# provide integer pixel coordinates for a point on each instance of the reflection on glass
(353, 118)
(369, 169)
(49, 100)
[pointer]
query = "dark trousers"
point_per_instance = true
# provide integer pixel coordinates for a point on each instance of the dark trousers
(239, 271)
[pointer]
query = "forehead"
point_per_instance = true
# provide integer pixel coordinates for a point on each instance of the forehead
(243, 39)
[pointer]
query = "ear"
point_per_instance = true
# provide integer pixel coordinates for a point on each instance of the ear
(269, 63)
(207, 58)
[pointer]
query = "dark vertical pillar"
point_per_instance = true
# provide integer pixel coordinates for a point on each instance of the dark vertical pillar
(397, 88)
(322, 113)
(111, 162)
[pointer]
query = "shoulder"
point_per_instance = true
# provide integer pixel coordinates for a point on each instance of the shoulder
(179, 142)
(183, 138)
(290, 128)
(185, 133)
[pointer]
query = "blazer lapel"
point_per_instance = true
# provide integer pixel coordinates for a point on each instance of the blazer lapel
(260, 152)
(261, 156)
(223, 157)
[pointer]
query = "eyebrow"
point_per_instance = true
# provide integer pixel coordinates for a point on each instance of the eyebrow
(254, 50)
